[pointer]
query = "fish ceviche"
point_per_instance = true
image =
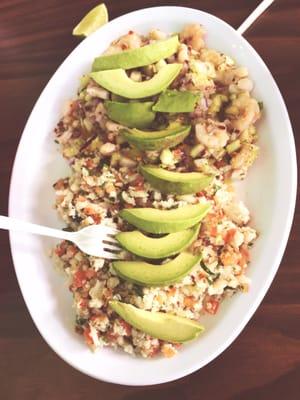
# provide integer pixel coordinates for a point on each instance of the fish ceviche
(158, 132)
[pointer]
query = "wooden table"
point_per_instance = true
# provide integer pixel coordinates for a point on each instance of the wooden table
(264, 362)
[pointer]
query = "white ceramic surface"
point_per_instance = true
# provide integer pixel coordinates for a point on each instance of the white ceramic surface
(269, 192)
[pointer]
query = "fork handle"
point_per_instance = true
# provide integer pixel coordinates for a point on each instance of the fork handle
(13, 224)
(254, 15)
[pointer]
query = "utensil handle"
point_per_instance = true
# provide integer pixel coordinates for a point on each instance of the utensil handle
(13, 224)
(254, 15)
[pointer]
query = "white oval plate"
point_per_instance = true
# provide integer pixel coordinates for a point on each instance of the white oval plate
(269, 192)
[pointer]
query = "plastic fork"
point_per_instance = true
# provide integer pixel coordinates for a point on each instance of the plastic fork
(95, 240)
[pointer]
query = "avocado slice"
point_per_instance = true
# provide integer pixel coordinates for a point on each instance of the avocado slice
(175, 101)
(136, 114)
(157, 221)
(175, 182)
(157, 140)
(155, 248)
(145, 274)
(118, 82)
(145, 55)
(160, 325)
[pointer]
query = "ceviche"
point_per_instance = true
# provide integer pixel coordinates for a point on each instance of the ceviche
(159, 131)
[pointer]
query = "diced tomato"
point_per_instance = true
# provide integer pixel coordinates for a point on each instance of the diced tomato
(213, 231)
(90, 273)
(177, 345)
(96, 218)
(100, 316)
(90, 163)
(189, 301)
(60, 249)
(245, 255)
(87, 336)
(172, 291)
(59, 185)
(220, 164)
(201, 275)
(84, 303)
(126, 326)
(89, 211)
(211, 217)
(71, 251)
(111, 336)
(229, 235)
(154, 351)
(79, 279)
(81, 198)
(211, 306)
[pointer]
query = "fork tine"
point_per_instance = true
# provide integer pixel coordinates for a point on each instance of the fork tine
(111, 240)
(108, 246)
(109, 255)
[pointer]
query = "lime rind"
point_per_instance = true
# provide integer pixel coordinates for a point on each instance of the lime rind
(92, 21)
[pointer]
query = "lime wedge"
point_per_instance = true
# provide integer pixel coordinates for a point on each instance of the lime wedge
(97, 17)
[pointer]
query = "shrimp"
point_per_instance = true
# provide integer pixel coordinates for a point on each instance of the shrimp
(100, 115)
(243, 112)
(212, 56)
(212, 135)
(127, 42)
(157, 34)
(231, 75)
(97, 91)
(183, 53)
(107, 149)
(193, 35)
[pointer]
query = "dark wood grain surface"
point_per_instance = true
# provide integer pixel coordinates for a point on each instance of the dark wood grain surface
(264, 362)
